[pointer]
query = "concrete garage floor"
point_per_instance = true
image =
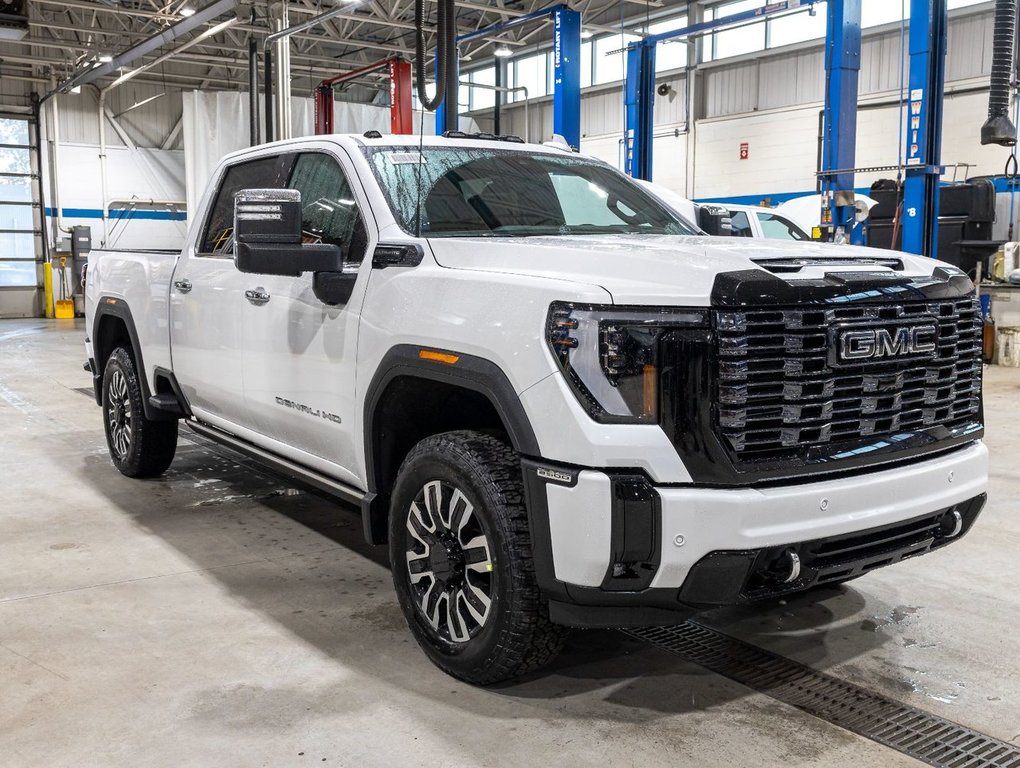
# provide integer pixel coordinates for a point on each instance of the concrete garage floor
(219, 617)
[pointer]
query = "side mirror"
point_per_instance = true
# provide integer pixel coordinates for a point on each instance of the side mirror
(715, 220)
(267, 236)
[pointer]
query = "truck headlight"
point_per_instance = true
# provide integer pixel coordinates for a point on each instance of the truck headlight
(610, 355)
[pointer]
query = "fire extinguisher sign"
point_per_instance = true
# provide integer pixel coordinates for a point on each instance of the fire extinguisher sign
(745, 150)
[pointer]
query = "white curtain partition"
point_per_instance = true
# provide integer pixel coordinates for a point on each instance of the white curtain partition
(216, 123)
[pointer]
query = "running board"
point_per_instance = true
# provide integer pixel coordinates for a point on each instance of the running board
(282, 466)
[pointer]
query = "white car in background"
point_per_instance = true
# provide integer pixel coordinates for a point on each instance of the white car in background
(744, 220)
(757, 221)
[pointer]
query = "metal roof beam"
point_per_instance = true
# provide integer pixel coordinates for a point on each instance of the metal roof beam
(165, 37)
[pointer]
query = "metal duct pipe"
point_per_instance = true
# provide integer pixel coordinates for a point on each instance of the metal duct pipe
(280, 37)
(998, 128)
(253, 92)
(120, 81)
(283, 115)
(148, 45)
(267, 94)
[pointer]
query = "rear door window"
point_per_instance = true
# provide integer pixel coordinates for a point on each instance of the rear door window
(263, 173)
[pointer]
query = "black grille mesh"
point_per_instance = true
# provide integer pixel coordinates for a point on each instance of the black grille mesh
(778, 393)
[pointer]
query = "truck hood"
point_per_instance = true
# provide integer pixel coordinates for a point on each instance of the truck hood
(655, 269)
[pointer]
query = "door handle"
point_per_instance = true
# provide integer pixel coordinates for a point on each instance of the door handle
(257, 296)
(183, 286)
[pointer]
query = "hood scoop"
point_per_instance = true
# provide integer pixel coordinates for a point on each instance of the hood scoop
(789, 265)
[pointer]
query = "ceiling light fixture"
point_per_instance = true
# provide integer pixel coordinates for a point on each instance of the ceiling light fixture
(105, 58)
(587, 34)
(503, 52)
(187, 11)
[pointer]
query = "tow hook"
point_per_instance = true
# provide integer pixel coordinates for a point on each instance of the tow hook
(951, 524)
(790, 563)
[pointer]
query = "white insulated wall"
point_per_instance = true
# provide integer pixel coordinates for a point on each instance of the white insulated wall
(783, 147)
(771, 101)
(135, 176)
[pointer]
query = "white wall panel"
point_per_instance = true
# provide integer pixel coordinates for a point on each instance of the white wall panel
(969, 47)
(152, 174)
(731, 90)
(790, 79)
(147, 125)
(781, 154)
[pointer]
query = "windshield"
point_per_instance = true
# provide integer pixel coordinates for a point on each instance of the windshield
(473, 192)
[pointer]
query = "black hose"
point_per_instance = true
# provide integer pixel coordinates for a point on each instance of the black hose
(998, 128)
(446, 47)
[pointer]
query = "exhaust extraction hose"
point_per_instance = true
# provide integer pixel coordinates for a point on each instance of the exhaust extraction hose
(446, 50)
(998, 128)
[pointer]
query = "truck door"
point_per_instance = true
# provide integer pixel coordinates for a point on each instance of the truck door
(299, 353)
(207, 303)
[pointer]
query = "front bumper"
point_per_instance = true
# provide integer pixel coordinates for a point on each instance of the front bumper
(612, 550)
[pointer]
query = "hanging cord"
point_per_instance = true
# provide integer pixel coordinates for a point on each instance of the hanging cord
(1011, 171)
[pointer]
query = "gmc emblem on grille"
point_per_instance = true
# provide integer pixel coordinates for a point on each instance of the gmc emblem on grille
(861, 345)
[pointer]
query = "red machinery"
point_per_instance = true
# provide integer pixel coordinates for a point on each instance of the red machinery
(400, 95)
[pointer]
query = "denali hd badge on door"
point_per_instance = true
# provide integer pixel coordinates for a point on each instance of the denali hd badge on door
(856, 344)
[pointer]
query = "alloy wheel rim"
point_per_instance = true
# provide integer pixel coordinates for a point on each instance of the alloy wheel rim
(449, 561)
(119, 415)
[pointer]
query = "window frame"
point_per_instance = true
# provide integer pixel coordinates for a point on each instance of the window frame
(288, 157)
(220, 179)
(359, 204)
(36, 232)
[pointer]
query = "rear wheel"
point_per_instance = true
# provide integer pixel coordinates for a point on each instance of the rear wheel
(461, 557)
(138, 446)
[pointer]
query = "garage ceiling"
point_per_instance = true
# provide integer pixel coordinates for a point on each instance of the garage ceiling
(66, 35)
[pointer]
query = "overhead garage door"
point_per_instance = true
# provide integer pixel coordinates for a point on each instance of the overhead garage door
(20, 218)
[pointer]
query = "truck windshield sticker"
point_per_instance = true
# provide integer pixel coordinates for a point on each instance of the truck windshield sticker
(406, 158)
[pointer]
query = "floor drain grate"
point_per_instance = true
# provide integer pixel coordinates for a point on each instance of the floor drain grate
(914, 732)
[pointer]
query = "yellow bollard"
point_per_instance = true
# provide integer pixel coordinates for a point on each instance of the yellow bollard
(48, 289)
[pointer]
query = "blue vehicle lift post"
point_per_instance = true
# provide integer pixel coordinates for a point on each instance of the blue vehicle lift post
(920, 214)
(839, 122)
(640, 85)
(567, 76)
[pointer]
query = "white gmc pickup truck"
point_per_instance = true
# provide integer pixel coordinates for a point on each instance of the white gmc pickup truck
(557, 404)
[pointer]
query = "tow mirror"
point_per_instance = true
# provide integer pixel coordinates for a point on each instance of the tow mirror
(267, 236)
(715, 220)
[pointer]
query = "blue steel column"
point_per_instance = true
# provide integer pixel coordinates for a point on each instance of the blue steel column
(567, 80)
(639, 101)
(839, 134)
(928, 21)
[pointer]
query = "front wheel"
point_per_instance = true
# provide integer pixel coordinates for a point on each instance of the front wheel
(138, 446)
(461, 557)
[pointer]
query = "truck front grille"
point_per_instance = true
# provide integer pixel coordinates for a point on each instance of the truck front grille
(781, 389)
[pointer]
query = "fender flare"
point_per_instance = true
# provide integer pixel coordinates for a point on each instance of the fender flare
(111, 306)
(469, 372)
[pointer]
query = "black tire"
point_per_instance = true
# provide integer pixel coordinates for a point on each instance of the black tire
(479, 643)
(139, 447)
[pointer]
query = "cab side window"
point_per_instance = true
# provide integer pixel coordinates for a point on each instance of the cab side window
(263, 173)
(329, 211)
(741, 226)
